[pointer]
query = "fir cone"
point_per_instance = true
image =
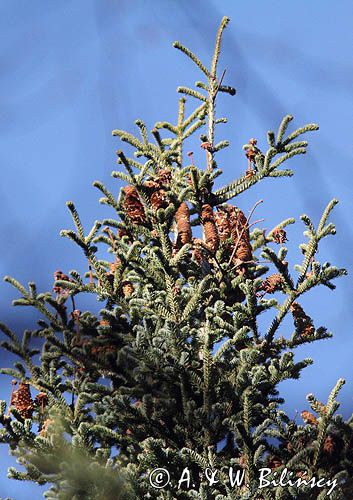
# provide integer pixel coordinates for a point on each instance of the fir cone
(249, 173)
(127, 288)
(104, 322)
(222, 223)
(133, 206)
(210, 229)
(309, 418)
(100, 350)
(59, 275)
(122, 232)
(164, 176)
(329, 445)
(41, 400)
(197, 252)
(182, 217)
(279, 236)
(207, 146)
(159, 199)
(274, 462)
(158, 195)
(302, 322)
(239, 229)
(22, 400)
(272, 284)
(252, 150)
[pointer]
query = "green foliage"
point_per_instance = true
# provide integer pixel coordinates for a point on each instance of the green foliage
(177, 370)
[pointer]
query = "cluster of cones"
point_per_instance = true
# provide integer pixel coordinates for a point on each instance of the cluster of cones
(60, 276)
(329, 446)
(226, 227)
(228, 223)
(157, 194)
(127, 288)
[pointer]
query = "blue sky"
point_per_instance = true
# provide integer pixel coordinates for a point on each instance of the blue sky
(72, 71)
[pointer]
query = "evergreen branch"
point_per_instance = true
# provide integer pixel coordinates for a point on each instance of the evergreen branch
(192, 56)
(217, 49)
(192, 93)
(283, 127)
(302, 130)
(70, 205)
(199, 113)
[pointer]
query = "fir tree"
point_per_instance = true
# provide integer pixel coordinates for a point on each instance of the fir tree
(176, 371)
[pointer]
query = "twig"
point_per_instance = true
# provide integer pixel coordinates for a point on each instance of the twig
(219, 84)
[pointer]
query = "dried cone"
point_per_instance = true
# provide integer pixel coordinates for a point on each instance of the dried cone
(210, 229)
(159, 199)
(272, 284)
(197, 252)
(309, 418)
(164, 176)
(249, 173)
(329, 445)
(252, 150)
(104, 322)
(251, 153)
(242, 461)
(158, 195)
(59, 275)
(223, 224)
(279, 236)
(274, 462)
(122, 232)
(41, 400)
(182, 217)
(302, 322)
(103, 349)
(133, 206)
(239, 229)
(127, 288)
(22, 400)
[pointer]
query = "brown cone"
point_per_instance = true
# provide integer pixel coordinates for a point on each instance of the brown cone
(22, 400)
(127, 288)
(329, 445)
(309, 418)
(41, 400)
(274, 462)
(240, 234)
(223, 224)
(302, 322)
(159, 199)
(100, 350)
(133, 206)
(272, 284)
(279, 236)
(182, 217)
(210, 229)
